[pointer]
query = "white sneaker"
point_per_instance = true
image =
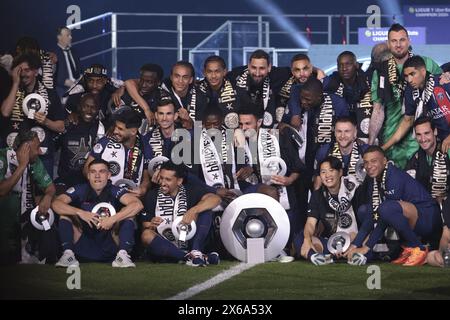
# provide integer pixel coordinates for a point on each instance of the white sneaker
(67, 260)
(320, 259)
(283, 257)
(123, 260)
(358, 259)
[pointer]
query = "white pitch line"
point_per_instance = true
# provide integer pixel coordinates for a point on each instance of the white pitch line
(221, 277)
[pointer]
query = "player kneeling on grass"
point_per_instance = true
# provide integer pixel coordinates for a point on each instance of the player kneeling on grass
(330, 211)
(86, 234)
(174, 198)
(398, 201)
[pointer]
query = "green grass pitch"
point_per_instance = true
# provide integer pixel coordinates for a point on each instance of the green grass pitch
(278, 281)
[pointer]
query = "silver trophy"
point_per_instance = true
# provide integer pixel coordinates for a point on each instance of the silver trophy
(42, 221)
(360, 170)
(126, 183)
(104, 210)
(155, 164)
(338, 243)
(446, 257)
(272, 166)
(183, 232)
(33, 103)
(252, 217)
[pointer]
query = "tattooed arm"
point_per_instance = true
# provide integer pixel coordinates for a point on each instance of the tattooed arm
(376, 122)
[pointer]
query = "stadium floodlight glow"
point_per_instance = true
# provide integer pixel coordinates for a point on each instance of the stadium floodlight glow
(392, 8)
(283, 22)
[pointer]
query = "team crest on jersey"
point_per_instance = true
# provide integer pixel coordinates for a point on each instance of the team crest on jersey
(114, 167)
(349, 185)
(70, 190)
(268, 119)
(364, 125)
(345, 220)
(98, 148)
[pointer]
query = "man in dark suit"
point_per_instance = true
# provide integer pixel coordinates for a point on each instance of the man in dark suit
(68, 66)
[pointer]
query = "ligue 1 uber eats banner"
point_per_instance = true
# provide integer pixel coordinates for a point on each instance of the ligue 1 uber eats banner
(426, 24)
(436, 20)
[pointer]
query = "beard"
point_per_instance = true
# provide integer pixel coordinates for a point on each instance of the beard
(400, 55)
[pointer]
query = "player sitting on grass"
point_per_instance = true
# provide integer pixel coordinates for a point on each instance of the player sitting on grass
(176, 197)
(88, 235)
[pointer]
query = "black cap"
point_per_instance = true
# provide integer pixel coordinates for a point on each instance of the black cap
(96, 70)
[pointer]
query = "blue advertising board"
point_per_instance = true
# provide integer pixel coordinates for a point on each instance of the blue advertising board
(435, 18)
(372, 36)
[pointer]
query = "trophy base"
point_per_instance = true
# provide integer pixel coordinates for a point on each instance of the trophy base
(255, 250)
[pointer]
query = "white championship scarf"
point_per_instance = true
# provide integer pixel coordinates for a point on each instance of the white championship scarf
(115, 154)
(156, 141)
(324, 122)
(343, 206)
(268, 146)
(422, 100)
(23, 186)
(169, 209)
(242, 82)
(213, 164)
(354, 157)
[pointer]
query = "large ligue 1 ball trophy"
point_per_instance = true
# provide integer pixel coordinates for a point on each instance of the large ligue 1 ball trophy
(254, 228)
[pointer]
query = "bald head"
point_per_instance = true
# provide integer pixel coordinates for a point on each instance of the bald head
(380, 52)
